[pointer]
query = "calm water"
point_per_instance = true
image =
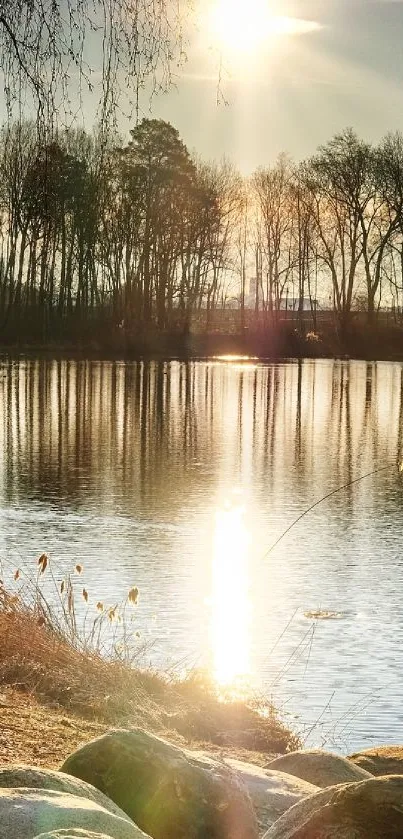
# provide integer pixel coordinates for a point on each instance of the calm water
(178, 478)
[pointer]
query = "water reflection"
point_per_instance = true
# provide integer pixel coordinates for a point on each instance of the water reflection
(123, 467)
(230, 624)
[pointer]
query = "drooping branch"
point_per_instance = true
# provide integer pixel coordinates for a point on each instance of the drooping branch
(51, 48)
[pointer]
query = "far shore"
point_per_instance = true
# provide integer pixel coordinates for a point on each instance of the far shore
(385, 345)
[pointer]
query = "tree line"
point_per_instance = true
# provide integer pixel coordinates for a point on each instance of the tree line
(144, 236)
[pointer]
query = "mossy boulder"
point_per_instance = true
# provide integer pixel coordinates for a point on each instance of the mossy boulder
(168, 792)
(26, 813)
(323, 769)
(381, 760)
(370, 809)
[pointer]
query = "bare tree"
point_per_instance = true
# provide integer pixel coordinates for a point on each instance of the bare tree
(337, 184)
(273, 190)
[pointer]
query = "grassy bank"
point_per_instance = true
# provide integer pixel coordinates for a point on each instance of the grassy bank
(283, 338)
(63, 680)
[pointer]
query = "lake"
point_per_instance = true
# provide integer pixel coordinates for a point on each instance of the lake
(179, 478)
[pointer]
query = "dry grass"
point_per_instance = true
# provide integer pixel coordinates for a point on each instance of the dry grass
(88, 670)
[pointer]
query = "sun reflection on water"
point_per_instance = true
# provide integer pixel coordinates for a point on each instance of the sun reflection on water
(230, 622)
(234, 357)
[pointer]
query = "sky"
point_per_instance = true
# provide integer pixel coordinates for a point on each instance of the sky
(293, 73)
(288, 92)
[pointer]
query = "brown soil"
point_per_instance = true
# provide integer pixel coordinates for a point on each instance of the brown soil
(37, 734)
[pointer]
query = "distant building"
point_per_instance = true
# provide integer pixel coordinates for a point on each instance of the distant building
(287, 304)
(293, 304)
(250, 297)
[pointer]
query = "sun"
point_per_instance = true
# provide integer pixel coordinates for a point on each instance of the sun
(245, 26)
(241, 25)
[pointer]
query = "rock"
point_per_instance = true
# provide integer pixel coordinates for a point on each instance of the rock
(271, 792)
(168, 792)
(381, 760)
(35, 778)
(323, 769)
(26, 812)
(371, 809)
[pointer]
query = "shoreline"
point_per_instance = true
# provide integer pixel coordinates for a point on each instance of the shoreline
(278, 340)
(237, 354)
(58, 667)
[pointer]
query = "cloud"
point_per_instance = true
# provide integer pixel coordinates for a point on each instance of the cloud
(294, 25)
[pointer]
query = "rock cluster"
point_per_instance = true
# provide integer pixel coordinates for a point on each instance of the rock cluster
(133, 785)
